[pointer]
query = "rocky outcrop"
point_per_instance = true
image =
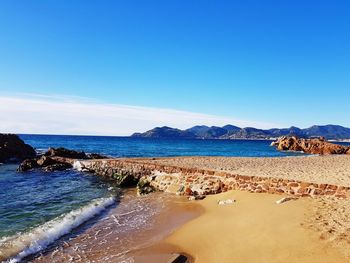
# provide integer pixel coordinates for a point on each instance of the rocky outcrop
(12, 148)
(67, 153)
(309, 146)
(58, 159)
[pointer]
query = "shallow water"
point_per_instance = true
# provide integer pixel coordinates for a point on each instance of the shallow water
(132, 224)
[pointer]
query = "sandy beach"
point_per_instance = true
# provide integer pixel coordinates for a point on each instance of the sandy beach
(255, 228)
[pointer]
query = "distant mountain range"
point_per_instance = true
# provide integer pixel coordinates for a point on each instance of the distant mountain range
(330, 132)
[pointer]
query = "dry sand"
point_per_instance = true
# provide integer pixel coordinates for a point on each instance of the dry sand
(253, 229)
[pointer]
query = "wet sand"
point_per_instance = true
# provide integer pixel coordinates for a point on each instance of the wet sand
(116, 236)
(253, 229)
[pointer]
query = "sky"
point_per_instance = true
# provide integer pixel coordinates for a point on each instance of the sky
(117, 67)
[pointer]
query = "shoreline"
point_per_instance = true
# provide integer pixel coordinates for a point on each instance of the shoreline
(134, 224)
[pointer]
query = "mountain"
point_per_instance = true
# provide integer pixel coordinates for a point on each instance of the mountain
(165, 132)
(330, 132)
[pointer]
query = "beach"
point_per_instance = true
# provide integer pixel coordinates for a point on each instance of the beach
(249, 227)
(256, 229)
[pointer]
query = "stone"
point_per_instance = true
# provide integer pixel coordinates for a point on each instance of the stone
(60, 159)
(57, 167)
(178, 258)
(27, 165)
(144, 187)
(188, 191)
(309, 146)
(124, 179)
(196, 197)
(63, 152)
(44, 161)
(285, 199)
(332, 187)
(13, 149)
(226, 202)
(96, 156)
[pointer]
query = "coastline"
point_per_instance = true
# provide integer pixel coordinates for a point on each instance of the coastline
(312, 228)
(134, 224)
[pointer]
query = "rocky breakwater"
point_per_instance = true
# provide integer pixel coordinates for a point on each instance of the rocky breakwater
(13, 149)
(148, 176)
(56, 159)
(309, 146)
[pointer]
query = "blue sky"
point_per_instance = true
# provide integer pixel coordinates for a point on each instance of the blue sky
(269, 63)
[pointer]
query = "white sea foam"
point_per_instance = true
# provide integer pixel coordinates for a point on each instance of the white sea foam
(15, 248)
(77, 166)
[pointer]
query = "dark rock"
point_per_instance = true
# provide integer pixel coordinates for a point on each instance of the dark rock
(178, 258)
(95, 156)
(28, 164)
(125, 180)
(12, 148)
(63, 152)
(57, 167)
(44, 161)
(144, 187)
(61, 158)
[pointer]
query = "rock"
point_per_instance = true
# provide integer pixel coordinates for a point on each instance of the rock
(285, 199)
(178, 258)
(226, 202)
(57, 167)
(196, 197)
(125, 180)
(27, 164)
(95, 156)
(144, 187)
(58, 159)
(44, 161)
(309, 146)
(63, 152)
(12, 148)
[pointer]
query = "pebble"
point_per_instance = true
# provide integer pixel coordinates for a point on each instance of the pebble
(285, 199)
(226, 202)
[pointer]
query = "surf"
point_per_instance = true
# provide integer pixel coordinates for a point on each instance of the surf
(15, 248)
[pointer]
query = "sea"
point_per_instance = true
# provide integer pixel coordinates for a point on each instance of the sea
(69, 216)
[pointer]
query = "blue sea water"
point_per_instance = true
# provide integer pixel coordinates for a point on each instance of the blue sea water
(149, 147)
(32, 199)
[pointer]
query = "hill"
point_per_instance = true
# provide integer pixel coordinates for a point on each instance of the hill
(330, 132)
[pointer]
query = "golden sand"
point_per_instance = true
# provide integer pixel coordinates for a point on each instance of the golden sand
(254, 229)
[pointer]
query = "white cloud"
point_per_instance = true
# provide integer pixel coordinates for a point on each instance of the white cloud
(73, 115)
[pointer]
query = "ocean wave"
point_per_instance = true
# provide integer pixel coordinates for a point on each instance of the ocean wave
(15, 248)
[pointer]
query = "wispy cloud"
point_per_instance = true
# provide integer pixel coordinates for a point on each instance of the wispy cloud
(32, 113)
